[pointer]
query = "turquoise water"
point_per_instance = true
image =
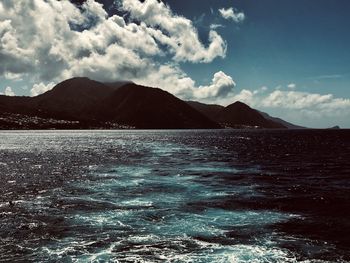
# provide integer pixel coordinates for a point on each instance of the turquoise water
(175, 196)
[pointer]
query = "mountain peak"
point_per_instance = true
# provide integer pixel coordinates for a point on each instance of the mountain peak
(79, 86)
(239, 104)
(236, 115)
(239, 114)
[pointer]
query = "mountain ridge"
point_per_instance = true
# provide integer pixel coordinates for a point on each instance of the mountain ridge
(82, 103)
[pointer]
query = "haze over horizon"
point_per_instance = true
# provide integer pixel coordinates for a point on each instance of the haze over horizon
(287, 58)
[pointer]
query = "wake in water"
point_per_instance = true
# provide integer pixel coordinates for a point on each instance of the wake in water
(173, 196)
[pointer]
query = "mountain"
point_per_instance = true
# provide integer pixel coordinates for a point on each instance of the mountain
(240, 114)
(73, 99)
(337, 127)
(117, 84)
(82, 103)
(237, 115)
(85, 103)
(212, 111)
(145, 107)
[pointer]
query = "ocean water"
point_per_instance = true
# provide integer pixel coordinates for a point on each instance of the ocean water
(175, 196)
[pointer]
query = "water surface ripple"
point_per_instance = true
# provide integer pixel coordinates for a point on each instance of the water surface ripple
(175, 196)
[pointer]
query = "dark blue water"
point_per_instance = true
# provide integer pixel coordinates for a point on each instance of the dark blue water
(175, 196)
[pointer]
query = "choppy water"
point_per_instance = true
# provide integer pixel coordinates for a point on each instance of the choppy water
(175, 196)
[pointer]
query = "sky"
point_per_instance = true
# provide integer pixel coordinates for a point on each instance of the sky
(289, 58)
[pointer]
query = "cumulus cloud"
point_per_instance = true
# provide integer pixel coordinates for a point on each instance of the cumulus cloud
(308, 108)
(56, 40)
(40, 88)
(304, 100)
(176, 32)
(246, 96)
(231, 13)
(220, 87)
(174, 80)
(8, 92)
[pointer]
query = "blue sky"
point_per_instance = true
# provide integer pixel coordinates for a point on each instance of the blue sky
(304, 42)
(289, 58)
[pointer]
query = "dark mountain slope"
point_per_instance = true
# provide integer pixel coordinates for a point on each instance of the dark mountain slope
(117, 84)
(151, 108)
(85, 103)
(240, 114)
(236, 115)
(73, 99)
(14, 104)
(212, 111)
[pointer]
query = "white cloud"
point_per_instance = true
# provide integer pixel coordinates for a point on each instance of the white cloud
(12, 76)
(8, 92)
(245, 96)
(94, 10)
(176, 32)
(231, 13)
(292, 86)
(305, 100)
(49, 44)
(321, 77)
(215, 26)
(174, 80)
(40, 88)
(309, 109)
(263, 88)
(220, 87)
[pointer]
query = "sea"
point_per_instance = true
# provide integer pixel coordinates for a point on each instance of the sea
(175, 196)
